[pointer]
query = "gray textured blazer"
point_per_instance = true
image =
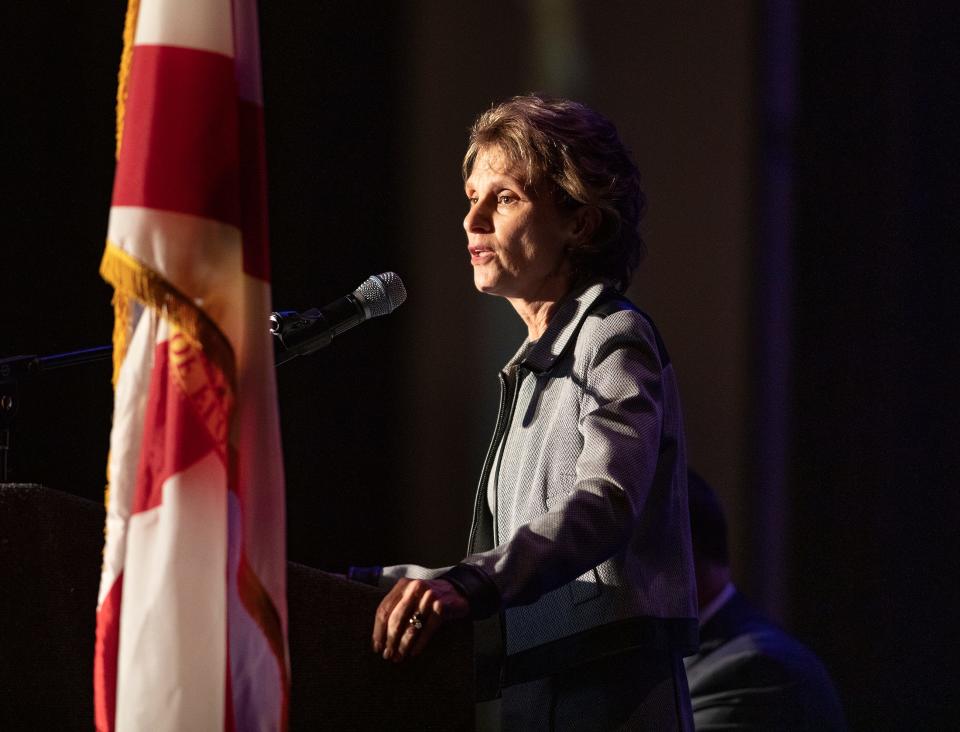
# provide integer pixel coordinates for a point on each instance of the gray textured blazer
(580, 531)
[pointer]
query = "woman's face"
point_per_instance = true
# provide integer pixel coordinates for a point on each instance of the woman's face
(517, 242)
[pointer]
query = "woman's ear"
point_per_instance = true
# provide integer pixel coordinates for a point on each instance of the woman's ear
(586, 221)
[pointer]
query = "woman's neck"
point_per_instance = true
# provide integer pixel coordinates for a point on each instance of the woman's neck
(536, 314)
(538, 309)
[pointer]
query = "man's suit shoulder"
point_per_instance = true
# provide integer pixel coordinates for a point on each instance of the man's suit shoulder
(751, 674)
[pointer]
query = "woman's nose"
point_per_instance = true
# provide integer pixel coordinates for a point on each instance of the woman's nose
(477, 220)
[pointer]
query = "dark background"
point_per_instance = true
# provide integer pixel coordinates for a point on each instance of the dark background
(801, 162)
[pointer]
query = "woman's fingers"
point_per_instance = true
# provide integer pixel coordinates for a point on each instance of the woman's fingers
(422, 637)
(410, 614)
(397, 623)
(434, 611)
(381, 619)
(421, 625)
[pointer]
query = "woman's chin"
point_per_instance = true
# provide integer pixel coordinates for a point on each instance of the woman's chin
(487, 285)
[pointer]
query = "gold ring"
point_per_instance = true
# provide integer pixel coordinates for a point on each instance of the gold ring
(416, 620)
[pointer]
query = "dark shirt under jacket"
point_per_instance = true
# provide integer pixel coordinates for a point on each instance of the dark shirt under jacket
(751, 675)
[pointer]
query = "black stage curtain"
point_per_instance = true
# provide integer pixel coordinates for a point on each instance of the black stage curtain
(875, 505)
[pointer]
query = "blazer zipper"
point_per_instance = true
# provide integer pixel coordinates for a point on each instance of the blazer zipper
(487, 464)
(498, 453)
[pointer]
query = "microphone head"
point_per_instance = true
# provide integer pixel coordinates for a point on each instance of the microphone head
(381, 294)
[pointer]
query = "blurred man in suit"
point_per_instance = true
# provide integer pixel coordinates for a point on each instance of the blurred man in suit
(749, 674)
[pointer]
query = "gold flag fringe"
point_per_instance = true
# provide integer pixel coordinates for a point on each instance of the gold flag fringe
(122, 330)
(132, 279)
(126, 58)
(121, 302)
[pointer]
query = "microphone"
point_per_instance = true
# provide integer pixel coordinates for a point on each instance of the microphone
(309, 331)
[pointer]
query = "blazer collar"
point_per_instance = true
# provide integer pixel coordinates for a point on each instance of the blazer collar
(541, 355)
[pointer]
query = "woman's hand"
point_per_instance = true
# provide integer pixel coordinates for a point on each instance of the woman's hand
(411, 603)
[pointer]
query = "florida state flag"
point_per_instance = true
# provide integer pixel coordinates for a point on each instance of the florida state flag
(191, 615)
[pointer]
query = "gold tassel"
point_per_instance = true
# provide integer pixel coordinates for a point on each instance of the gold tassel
(121, 331)
(132, 279)
(126, 58)
(122, 324)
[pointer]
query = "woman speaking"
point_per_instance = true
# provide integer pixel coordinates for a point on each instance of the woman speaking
(580, 540)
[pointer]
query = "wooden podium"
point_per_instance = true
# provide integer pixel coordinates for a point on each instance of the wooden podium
(50, 550)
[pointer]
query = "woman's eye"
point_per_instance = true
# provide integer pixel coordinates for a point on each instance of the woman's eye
(505, 199)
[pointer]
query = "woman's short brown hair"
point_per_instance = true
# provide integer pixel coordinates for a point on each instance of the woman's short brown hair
(566, 149)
